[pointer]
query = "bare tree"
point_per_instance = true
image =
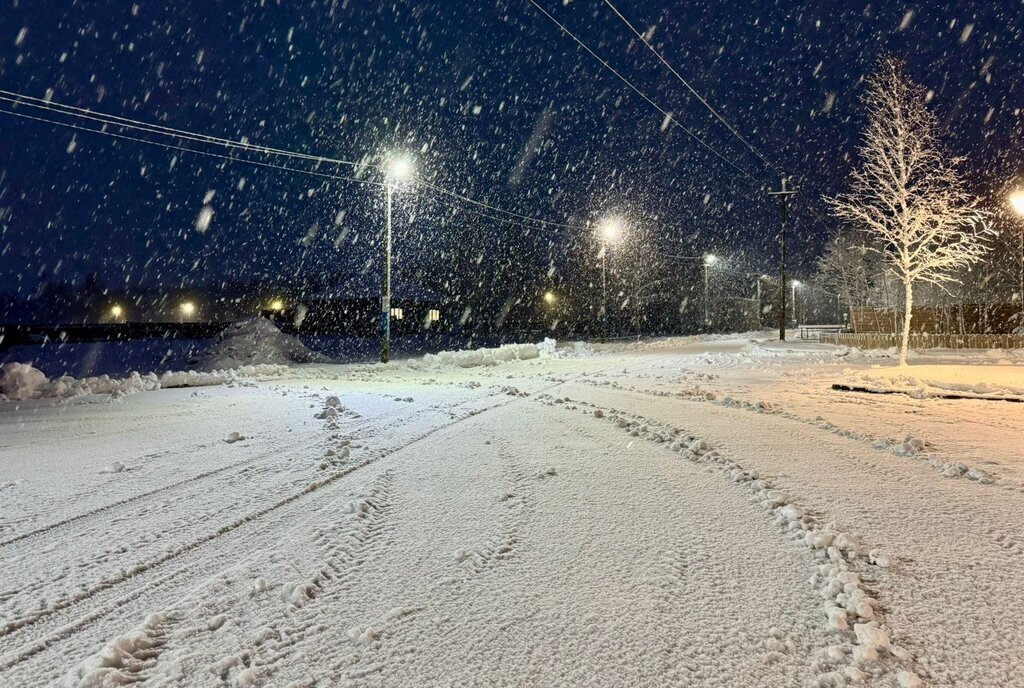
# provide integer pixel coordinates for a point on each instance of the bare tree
(908, 194)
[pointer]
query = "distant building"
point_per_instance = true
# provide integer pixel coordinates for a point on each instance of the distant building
(356, 311)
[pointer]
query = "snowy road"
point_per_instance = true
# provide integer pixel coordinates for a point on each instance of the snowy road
(683, 514)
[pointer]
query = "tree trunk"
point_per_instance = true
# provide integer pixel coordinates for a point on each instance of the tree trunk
(908, 305)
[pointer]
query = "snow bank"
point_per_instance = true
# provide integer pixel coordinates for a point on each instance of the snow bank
(549, 349)
(256, 341)
(482, 357)
(929, 381)
(20, 381)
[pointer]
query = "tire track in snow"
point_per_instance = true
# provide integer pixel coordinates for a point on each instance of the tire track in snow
(259, 465)
(134, 572)
(42, 530)
(911, 447)
(853, 602)
(366, 424)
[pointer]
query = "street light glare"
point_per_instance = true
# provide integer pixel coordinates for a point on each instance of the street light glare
(277, 305)
(116, 311)
(549, 297)
(1017, 201)
(796, 283)
(610, 230)
(188, 308)
(400, 169)
(710, 259)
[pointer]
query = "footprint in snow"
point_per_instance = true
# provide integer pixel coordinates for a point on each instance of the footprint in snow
(234, 437)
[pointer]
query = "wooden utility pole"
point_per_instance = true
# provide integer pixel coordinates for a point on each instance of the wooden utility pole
(783, 195)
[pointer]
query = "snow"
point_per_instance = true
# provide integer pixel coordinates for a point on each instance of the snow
(925, 381)
(256, 341)
(482, 357)
(689, 511)
(21, 381)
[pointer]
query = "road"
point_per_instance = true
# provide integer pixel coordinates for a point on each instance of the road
(679, 514)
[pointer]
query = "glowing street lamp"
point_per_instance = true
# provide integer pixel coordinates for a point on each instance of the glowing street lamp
(1017, 201)
(549, 298)
(709, 260)
(399, 169)
(608, 232)
(116, 311)
(277, 305)
(187, 309)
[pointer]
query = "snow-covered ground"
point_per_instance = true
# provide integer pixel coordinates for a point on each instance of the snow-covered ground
(677, 512)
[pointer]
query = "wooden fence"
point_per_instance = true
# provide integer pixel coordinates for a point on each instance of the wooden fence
(970, 318)
(881, 340)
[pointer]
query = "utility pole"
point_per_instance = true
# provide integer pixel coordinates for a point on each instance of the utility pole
(758, 302)
(604, 291)
(385, 302)
(783, 195)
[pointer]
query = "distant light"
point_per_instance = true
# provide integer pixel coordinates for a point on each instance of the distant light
(797, 284)
(610, 230)
(187, 309)
(549, 297)
(1017, 201)
(116, 311)
(710, 259)
(277, 305)
(400, 168)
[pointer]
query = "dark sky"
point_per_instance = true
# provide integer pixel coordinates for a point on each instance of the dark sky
(493, 101)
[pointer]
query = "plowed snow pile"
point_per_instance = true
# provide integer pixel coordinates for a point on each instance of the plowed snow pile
(256, 341)
(926, 381)
(482, 357)
(21, 381)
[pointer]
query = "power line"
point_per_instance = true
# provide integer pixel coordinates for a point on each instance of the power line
(128, 123)
(481, 204)
(185, 149)
(692, 90)
(17, 99)
(665, 113)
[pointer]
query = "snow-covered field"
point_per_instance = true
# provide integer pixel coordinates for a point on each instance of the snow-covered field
(677, 512)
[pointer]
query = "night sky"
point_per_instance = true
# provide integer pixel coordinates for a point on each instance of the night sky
(493, 102)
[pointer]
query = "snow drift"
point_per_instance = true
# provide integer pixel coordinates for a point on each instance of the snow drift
(482, 357)
(256, 341)
(21, 381)
(936, 381)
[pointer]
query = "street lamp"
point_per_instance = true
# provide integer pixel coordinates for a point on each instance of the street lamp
(1017, 201)
(796, 285)
(549, 298)
(116, 312)
(709, 260)
(277, 305)
(187, 309)
(760, 307)
(608, 232)
(399, 169)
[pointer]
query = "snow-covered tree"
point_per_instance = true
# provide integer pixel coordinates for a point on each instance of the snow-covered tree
(908, 194)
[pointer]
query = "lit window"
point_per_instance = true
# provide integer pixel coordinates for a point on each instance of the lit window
(433, 315)
(397, 313)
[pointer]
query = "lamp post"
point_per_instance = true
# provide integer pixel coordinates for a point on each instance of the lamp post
(399, 169)
(609, 232)
(760, 308)
(796, 285)
(1017, 201)
(709, 260)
